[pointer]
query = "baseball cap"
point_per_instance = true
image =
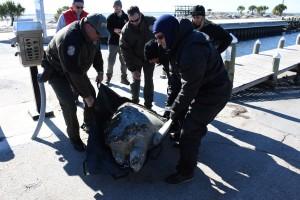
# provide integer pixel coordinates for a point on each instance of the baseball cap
(99, 22)
(198, 10)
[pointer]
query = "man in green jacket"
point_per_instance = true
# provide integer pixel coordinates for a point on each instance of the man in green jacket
(67, 59)
(135, 33)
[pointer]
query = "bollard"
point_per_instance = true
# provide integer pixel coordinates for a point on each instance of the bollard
(281, 42)
(298, 40)
(256, 47)
(232, 57)
(275, 65)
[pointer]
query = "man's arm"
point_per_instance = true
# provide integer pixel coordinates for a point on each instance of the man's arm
(133, 62)
(192, 72)
(69, 54)
(222, 37)
(60, 23)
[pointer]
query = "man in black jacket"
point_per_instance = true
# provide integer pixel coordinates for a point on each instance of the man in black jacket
(135, 33)
(67, 59)
(220, 37)
(205, 88)
(115, 23)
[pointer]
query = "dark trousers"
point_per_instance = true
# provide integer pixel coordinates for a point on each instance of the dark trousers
(64, 93)
(201, 112)
(148, 86)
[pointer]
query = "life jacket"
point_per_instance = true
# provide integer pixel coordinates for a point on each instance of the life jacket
(70, 16)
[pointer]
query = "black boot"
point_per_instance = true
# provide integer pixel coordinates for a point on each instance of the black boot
(178, 177)
(78, 145)
(124, 80)
(108, 78)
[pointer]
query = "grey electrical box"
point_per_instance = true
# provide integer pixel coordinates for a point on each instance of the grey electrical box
(29, 38)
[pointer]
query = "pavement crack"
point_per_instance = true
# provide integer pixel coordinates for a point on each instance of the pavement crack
(284, 137)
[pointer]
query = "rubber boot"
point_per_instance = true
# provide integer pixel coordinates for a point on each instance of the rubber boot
(135, 91)
(124, 79)
(108, 78)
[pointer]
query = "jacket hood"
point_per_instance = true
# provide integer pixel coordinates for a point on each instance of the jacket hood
(187, 34)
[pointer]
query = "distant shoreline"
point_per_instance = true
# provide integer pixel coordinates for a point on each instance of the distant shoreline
(51, 24)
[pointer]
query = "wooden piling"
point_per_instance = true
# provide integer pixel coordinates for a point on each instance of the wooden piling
(298, 40)
(256, 47)
(275, 65)
(281, 42)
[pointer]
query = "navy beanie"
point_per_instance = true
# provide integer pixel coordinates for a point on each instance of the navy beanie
(168, 25)
(78, 1)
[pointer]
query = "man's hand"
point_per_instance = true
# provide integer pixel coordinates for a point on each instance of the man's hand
(89, 101)
(136, 75)
(117, 31)
(99, 77)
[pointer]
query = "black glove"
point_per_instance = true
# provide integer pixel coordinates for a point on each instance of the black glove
(167, 114)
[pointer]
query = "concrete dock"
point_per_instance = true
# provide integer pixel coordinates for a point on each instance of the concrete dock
(250, 152)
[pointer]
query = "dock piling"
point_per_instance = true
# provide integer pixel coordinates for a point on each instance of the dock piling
(275, 65)
(298, 40)
(281, 42)
(256, 47)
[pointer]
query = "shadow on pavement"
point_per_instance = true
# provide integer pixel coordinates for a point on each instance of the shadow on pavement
(257, 170)
(6, 153)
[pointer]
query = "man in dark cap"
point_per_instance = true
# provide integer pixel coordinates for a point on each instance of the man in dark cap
(74, 13)
(115, 23)
(67, 59)
(135, 33)
(220, 37)
(205, 88)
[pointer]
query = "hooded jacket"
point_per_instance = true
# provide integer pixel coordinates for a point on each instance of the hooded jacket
(71, 53)
(202, 71)
(133, 40)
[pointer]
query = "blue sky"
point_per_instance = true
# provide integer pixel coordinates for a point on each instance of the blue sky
(105, 6)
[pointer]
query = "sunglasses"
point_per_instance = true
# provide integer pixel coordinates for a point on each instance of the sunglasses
(134, 21)
(79, 7)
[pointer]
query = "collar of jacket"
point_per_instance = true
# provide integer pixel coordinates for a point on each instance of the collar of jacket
(123, 13)
(85, 36)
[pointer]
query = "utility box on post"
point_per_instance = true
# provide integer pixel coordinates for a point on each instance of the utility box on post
(29, 38)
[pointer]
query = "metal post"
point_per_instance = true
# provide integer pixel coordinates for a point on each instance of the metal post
(275, 65)
(256, 47)
(35, 86)
(298, 40)
(40, 15)
(281, 42)
(37, 96)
